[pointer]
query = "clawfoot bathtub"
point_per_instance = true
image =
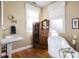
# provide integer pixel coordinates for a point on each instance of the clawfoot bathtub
(57, 44)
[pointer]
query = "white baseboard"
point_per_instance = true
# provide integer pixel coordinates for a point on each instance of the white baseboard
(22, 48)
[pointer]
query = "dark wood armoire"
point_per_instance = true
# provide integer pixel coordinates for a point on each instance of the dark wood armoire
(40, 34)
(36, 35)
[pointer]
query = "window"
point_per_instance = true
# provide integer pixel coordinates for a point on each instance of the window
(57, 16)
(32, 15)
(57, 25)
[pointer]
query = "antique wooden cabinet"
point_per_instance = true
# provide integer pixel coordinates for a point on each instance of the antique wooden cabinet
(43, 33)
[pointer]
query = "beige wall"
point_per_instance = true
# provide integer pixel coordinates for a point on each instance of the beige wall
(72, 11)
(44, 13)
(0, 40)
(0, 30)
(18, 10)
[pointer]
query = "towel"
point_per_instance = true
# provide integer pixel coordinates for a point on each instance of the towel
(13, 29)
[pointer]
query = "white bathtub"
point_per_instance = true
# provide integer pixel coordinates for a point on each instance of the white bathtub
(55, 43)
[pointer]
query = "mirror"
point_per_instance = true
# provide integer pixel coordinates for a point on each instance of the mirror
(12, 18)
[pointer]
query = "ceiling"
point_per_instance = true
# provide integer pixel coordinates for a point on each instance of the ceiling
(41, 3)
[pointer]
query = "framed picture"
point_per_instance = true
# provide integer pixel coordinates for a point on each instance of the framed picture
(75, 22)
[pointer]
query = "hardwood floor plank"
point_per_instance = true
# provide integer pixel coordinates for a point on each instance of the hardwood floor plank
(31, 53)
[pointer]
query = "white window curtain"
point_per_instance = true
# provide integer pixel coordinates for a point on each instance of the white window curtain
(32, 15)
(56, 15)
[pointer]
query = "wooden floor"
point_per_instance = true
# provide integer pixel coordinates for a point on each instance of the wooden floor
(31, 53)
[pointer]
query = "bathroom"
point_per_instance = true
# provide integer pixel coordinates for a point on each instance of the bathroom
(15, 14)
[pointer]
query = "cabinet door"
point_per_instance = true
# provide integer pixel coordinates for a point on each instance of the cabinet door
(43, 32)
(43, 41)
(36, 35)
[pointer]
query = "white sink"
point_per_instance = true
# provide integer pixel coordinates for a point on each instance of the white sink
(11, 39)
(7, 37)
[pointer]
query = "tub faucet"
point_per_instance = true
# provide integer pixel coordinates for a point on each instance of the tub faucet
(65, 51)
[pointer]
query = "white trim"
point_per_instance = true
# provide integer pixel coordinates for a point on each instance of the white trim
(2, 18)
(22, 48)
